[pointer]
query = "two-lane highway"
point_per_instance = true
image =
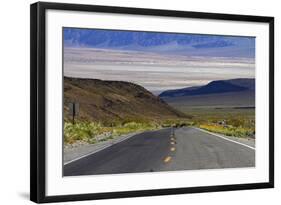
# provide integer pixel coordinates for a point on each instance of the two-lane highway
(165, 150)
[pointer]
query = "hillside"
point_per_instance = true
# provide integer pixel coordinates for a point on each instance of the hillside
(214, 87)
(248, 83)
(109, 101)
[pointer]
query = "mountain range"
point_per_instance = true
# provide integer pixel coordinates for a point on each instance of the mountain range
(231, 93)
(218, 86)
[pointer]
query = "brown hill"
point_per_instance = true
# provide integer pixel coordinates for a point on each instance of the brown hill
(109, 101)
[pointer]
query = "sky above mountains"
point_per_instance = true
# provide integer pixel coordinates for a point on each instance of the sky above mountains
(157, 61)
(167, 43)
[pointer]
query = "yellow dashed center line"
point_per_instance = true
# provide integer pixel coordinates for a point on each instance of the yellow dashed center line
(173, 149)
(173, 139)
(167, 159)
(172, 142)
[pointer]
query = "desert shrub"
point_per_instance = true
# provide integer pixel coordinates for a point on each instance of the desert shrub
(88, 131)
(228, 130)
(82, 131)
(133, 127)
(176, 123)
(227, 121)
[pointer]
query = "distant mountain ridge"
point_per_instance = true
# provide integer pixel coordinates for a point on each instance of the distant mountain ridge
(214, 87)
(105, 101)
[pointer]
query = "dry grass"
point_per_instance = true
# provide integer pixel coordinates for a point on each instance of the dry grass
(228, 121)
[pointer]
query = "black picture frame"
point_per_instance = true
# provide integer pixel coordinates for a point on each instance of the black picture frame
(38, 100)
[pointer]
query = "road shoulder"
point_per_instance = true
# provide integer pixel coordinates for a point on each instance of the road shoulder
(71, 154)
(249, 142)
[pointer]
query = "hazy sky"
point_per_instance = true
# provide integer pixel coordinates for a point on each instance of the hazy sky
(157, 61)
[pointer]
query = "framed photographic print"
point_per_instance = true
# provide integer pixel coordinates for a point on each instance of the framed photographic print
(129, 102)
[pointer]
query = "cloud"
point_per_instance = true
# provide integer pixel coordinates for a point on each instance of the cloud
(153, 71)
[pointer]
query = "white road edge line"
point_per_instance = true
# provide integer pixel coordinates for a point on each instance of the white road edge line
(102, 148)
(220, 136)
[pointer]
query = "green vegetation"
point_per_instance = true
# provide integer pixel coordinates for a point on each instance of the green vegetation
(82, 131)
(92, 132)
(176, 123)
(237, 122)
(229, 130)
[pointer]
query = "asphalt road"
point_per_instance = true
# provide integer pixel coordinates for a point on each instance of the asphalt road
(165, 150)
